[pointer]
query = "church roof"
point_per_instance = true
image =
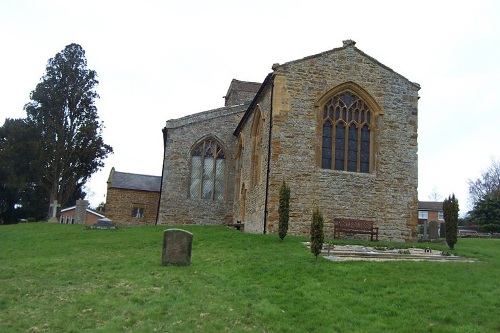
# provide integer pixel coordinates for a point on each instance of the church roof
(206, 115)
(132, 181)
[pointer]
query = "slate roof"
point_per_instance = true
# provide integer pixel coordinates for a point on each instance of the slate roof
(87, 209)
(435, 206)
(132, 181)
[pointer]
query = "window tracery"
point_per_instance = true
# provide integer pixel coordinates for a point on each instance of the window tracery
(208, 171)
(346, 133)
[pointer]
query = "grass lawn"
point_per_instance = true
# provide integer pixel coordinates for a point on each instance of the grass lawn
(63, 278)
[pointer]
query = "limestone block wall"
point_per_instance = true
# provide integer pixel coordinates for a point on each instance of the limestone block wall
(176, 206)
(120, 203)
(386, 195)
(254, 200)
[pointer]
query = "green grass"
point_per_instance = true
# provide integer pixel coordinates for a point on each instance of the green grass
(62, 278)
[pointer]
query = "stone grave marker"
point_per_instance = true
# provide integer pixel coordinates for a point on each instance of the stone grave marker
(177, 245)
(54, 206)
(426, 234)
(104, 224)
(433, 230)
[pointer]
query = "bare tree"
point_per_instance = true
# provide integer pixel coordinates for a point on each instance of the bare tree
(487, 184)
(435, 195)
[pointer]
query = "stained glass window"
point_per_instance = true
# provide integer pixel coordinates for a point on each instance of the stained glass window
(346, 133)
(207, 171)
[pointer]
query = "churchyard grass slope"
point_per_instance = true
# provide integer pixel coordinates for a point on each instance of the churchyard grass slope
(63, 278)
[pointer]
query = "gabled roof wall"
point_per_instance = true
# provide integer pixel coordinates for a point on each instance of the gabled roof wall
(131, 181)
(277, 68)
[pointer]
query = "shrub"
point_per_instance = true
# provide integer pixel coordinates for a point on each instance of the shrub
(493, 228)
(317, 236)
(450, 211)
(486, 214)
(284, 210)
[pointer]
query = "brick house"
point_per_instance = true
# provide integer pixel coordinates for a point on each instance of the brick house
(132, 199)
(79, 214)
(430, 211)
(339, 127)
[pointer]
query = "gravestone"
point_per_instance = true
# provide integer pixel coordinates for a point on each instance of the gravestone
(104, 224)
(426, 235)
(433, 230)
(177, 244)
(54, 206)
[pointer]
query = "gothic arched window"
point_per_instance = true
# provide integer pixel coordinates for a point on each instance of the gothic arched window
(256, 148)
(239, 163)
(346, 133)
(207, 171)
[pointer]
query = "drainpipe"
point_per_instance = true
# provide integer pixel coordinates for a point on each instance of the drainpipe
(165, 134)
(269, 155)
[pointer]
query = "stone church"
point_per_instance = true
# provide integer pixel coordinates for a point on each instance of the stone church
(338, 127)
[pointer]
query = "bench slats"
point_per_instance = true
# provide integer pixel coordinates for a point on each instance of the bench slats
(355, 227)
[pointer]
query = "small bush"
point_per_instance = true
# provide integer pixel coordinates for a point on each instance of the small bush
(493, 228)
(450, 211)
(317, 236)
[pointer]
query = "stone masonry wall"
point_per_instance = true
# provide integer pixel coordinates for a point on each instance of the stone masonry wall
(176, 207)
(120, 202)
(254, 218)
(386, 195)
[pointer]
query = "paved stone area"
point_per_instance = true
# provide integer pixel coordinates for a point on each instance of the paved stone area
(365, 253)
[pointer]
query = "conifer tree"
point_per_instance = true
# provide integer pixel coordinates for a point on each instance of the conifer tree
(317, 236)
(284, 210)
(63, 112)
(450, 211)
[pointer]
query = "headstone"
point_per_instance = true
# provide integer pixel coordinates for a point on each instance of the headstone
(54, 206)
(177, 246)
(104, 224)
(433, 230)
(426, 235)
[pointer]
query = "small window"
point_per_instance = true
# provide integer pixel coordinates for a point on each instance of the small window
(138, 211)
(441, 216)
(423, 214)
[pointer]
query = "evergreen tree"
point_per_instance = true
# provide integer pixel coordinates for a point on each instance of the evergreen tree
(63, 111)
(317, 236)
(450, 211)
(284, 210)
(486, 214)
(20, 195)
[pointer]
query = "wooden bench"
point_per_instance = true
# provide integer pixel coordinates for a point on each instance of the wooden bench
(352, 226)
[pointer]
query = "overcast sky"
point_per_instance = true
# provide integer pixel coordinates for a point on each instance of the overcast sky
(159, 60)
